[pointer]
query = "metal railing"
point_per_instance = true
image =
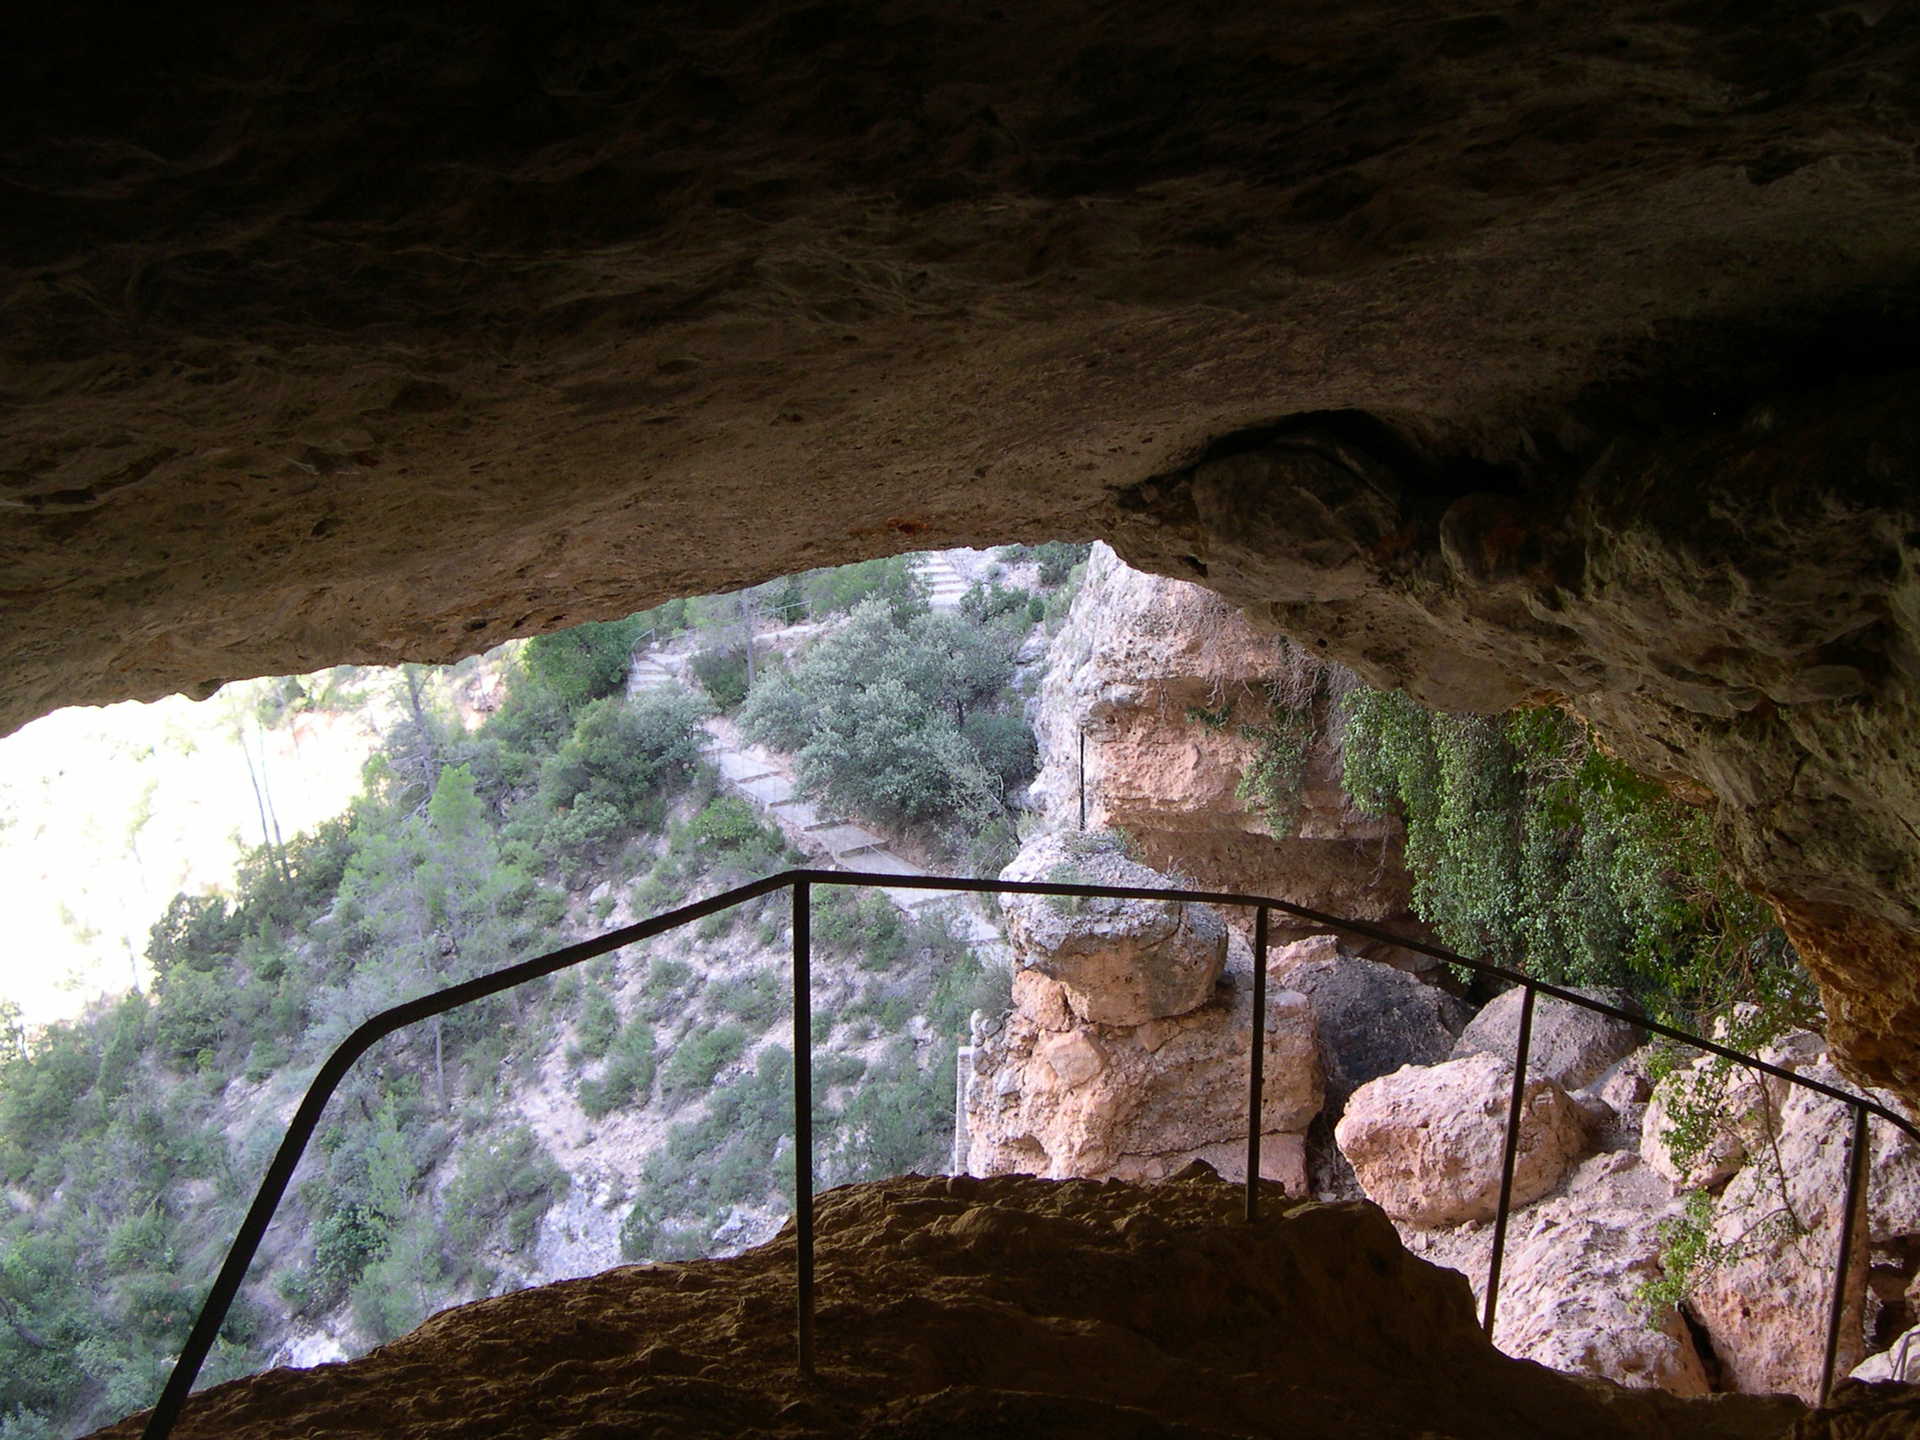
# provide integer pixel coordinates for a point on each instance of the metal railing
(300, 1129)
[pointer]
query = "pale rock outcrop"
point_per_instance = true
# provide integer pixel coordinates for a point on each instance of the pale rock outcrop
(1164, 680)
(1115, 1061)
(1570, 1281)
(1570, 1046)
(1899, 1361)
(1121, 962)
(1765, 1306)
(1140, 1102)
(1748, 1101)
(1372, 1018)
(1426, 1143)
(1575, 1265)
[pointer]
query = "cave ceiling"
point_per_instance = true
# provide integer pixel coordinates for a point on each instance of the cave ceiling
(1549, 350)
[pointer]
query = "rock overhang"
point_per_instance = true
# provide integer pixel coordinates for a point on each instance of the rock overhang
(1549, 353)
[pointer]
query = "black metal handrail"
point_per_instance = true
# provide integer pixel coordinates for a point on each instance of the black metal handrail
(306, 1119)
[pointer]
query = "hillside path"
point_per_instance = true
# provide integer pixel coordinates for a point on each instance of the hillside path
(764, 780)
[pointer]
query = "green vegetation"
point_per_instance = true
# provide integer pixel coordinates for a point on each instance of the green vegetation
(1533, 848)
(445, 868)
(587, 662)
(1530, 846)
(629, 1072)
(896, 716)
(734, 1148)
(1056, 558)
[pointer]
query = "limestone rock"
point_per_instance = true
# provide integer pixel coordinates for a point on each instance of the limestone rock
(1765, 1309)
(1747, 1100)
(1372, 1018)
(1568, 1045)
(1161, 680)
(1120, 962)
(1426, 1142)
(1899, 1361)
(1140, 1102)
(1575, 1263)
(1569, 1293)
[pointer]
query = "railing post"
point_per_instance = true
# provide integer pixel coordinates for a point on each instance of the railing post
(1514, 1107)
(1083, 777)
(1257, 1064)
(1837, 1313)
(803, 1123)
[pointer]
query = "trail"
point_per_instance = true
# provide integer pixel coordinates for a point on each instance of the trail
(764, 779)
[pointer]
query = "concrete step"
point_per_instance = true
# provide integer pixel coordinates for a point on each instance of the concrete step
(842, 838)
(883, 862)
(766, 790)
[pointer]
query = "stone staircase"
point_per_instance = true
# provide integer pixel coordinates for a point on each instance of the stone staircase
(749, 772)
(945, 583)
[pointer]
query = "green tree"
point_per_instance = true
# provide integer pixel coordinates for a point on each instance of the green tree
(584, 663)
(888, 717)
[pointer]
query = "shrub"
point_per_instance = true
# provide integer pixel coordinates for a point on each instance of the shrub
(503, 1187)
(599, 1023)
(628, 1076)
(757, 1000)
(346, 1241)
(984, 602)
(1004, 743)
(722, 672)
(862, 925)
(584, 663)
(699, 1057)
(1057, 559)
(1530, 846)
(725, 823)
(196, 932)
(878, 713)
(891, 580)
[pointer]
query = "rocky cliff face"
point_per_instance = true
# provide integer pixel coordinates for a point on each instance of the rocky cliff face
(1598, 1197)
(1172, 690)
(1126, 1053)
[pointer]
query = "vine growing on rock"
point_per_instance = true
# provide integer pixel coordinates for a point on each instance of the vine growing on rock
(1531, 847)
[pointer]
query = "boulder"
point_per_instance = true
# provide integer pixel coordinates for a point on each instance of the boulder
(1899, 1361)
(1372, 1018)
(1568, 1045)
(1765, 1305)
(1146, 712)
(1426, 1143)
(1121, 962)
(1574, 1268)
(1746, 1102)
(1140, 1102)
(1571, 1281)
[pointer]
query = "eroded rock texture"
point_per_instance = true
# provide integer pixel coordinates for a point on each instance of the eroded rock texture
(1007, 1307)
(1168, 685)
(1559, 351)
(1126, 1051)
